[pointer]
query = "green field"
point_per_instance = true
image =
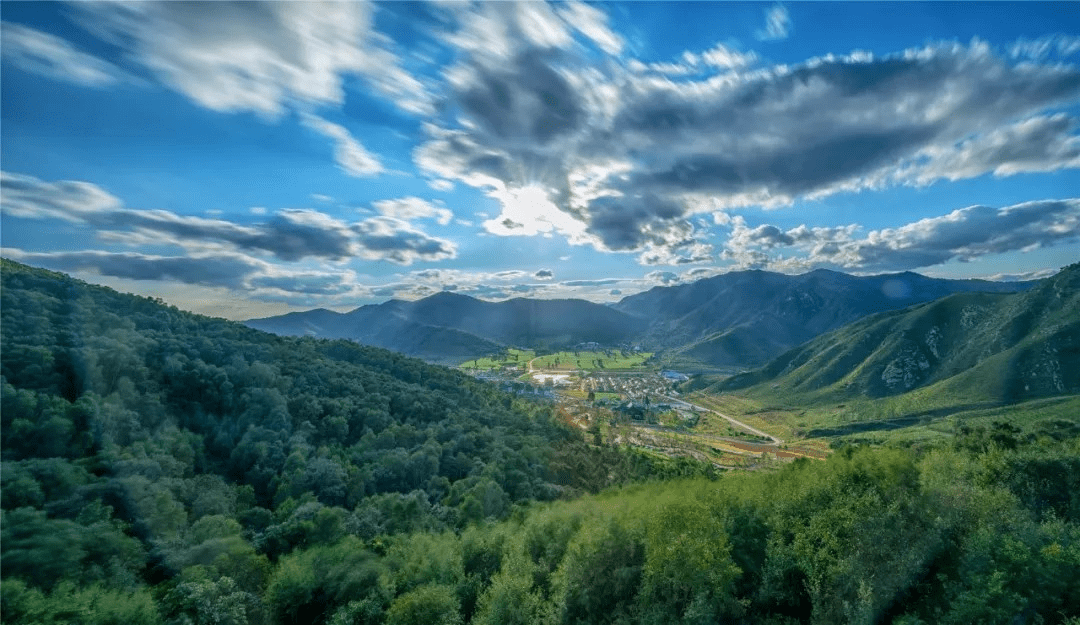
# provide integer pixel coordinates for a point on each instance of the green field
(909, 418)
(511, 357)
(603, 360)
(600, 360)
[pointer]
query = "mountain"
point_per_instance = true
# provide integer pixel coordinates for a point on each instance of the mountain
(979, 346)
(740, 319)
(746, 318)
(448, 327)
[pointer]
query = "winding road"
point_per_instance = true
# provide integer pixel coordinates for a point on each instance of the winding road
(735, 422)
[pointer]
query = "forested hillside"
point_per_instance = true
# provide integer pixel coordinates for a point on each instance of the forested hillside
(971, 347)
(144, 445)
(161, 467)
(747, 318)
(450, 328)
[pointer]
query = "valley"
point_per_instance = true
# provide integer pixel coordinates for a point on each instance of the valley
(191, 465)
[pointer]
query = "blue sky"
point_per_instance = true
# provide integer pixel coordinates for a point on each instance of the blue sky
(244, 160)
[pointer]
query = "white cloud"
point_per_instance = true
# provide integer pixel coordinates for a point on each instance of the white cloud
(1043, 47)
(777, 24)
(48, 55)
(289, 234)
(409, 208)
(619, 158)
(386, 238)
(592, 23)
(727, 58)
(258, 57)
(349, 154)
(963, 235)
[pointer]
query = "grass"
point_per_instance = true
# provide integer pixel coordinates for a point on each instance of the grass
(911, 417)
(602, 360)
(512, 356)
(609, 360)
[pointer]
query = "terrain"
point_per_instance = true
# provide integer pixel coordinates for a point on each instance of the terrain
(450, 328)
(163, 467)
(728, 322)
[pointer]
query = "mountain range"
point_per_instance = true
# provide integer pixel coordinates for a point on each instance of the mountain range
(736, 320)
(449, 327)
(991, 347)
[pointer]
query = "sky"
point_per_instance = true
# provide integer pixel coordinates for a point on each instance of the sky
(246, 160)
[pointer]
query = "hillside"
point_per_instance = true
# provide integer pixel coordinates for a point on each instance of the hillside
(447, 327)
(163, 467)
(735, 320)
(977, 347)
(746, 318)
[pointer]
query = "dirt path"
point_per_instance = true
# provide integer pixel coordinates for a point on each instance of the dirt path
(753, 430)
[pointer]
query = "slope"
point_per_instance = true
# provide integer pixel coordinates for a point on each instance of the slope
(448, 327)
(968, 347)
(747, 318)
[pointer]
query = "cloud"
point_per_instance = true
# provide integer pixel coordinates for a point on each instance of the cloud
(70, 200)
(1041, 143)
(1043, 47)
(544, 274)
(256, 278)
(289, 234)
(963, 235)
(600, 282)
(777, 24)
(408, 208)
(719, 58)
(48, 55)
(592, 23)
(260, 57)
(227, 270)
(615, 156)
(1020, 277)
(727, 58)
(352, 157)
(386, 238)
(662, 277)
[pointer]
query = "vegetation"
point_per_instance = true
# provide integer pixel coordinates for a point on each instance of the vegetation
(595, 360)
(511, 357)
(161, 467)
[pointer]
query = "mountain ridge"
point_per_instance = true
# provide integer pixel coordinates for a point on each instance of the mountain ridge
(739, 319)
(994, 347)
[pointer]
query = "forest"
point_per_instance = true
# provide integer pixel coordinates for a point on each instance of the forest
(164, 467)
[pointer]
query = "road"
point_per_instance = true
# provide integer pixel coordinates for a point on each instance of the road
(775, 440)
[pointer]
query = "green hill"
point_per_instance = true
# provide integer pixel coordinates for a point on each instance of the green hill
(160, 467)
(967, 347)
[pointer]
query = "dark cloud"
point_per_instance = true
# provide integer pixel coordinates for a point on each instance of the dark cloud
(308, 283)
(576, 283)
(544, 274)
(290, 235)
(628, 223)
(662, 277)
(224, 270)
(962, 235)
(394, 240)
(631, 156)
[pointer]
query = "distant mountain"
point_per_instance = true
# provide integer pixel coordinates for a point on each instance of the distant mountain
(448, 327)
(979, 346)
(746, 318)
(740, 319)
